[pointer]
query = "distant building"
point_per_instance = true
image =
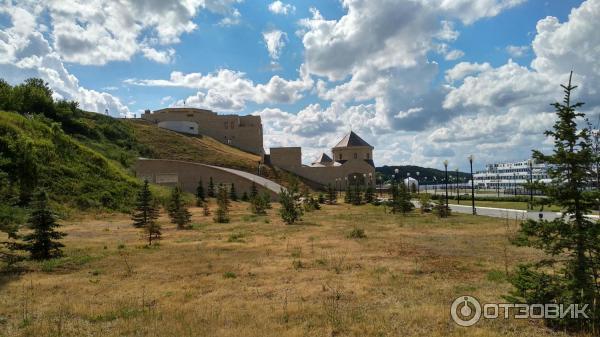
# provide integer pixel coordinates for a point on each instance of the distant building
(243, 132)
(351, 161)
(510, 175)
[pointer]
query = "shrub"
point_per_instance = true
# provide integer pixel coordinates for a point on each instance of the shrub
(357, 233)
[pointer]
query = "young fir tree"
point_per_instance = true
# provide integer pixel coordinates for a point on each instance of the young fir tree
(42, 243)
(205, 209)
(568, 274)
(211, 188)
(222, 212)
(321, 198)
(253, 190)
(331, 195)
(146, 213)
(357, 195)
(403, 199)
(233, 193)
(258, 205)
(200, 197)
(267, 200)
(245, 197)
(291, 209)
(349, 195)
(177, 210)
(369, 194)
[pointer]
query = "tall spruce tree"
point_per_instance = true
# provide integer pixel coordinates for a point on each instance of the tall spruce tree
(222, 212)
(211, 188)
(568, 274)
(177, 210)
(146, 213)
(42, 243)
(200, 198)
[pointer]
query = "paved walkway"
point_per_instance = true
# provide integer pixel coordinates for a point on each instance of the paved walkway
(511, 213)
(505, 212)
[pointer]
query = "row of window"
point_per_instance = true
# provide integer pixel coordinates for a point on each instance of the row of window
(355, 156)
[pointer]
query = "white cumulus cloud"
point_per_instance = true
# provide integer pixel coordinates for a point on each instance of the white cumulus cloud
(278, 7)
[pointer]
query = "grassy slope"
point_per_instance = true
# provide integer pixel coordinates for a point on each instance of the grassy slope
(75, 175)
(258, 277)
(166, 144)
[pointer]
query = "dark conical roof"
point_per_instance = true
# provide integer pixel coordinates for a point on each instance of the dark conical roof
(323, 159)
(352, 139)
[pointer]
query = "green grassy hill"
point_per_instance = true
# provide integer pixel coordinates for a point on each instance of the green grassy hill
(82, 170)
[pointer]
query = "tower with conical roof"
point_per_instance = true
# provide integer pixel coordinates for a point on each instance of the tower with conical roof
(352, 148)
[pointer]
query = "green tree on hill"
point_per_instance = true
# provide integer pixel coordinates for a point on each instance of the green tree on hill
(222, 212)
(211, 188)
(43, 242)
(146, 213)
(26, 171)
(569, 272)
(200, 198)
(11, 217)
(177, 210)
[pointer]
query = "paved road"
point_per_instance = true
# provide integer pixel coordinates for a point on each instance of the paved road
(511, 213)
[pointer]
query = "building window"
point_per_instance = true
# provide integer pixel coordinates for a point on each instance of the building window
(356, 156)
(340, 156)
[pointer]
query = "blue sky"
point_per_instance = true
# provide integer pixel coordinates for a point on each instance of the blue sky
(421, 80)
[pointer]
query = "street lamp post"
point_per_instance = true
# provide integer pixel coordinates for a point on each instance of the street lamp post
(446, 170)
(498, 184)
(531, 183)
(408, 184)
(425, 180)
(472, 186)
(418, 182)
(457, 190)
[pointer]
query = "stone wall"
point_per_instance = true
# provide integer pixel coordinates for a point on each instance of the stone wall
(187, 175)
(286, 157)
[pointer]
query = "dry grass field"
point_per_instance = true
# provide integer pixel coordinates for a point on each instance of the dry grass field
(258, 277)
